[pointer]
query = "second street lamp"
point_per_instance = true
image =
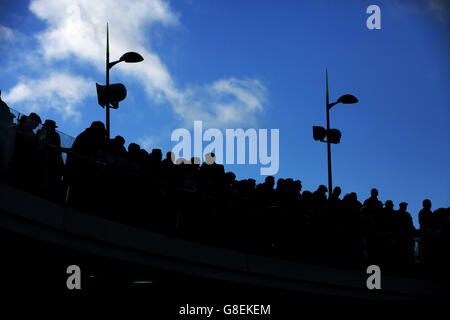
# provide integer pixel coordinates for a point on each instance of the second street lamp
(333, 135)
(112, 94)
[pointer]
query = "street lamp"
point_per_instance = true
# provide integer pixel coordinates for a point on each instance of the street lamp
(333, 135)
(117, 90)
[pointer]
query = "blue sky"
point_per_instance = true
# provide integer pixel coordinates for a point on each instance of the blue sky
(251, 64)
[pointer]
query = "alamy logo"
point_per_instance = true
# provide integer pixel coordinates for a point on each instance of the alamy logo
(374, 281)
(235, 139)
(74, 280)
(374, 20)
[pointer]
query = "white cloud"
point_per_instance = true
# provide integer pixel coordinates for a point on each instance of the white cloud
(249, 92)
(6, 34)
(78, 26)
(224, 102)
(76, 29)
(59, 91)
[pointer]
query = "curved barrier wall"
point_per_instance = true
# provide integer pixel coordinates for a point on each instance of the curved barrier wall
(24, 213)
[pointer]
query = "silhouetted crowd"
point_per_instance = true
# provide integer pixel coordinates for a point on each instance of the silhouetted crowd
(202, 202)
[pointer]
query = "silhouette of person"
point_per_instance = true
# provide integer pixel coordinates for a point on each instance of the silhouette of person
(298, 187)
(335, 204)
(404, 219)
(373, 201)
(207, 174)
(321, 193)
(168, 167)
(336, 193)
(80, 171)
(49, 162)
(154, 160)
(385, 216)
(168, 161)
(6, 137)
(269, 183)
(133, 150)
(24, 150)
(5, 114)
(427, 221)
(405, 231)
(441, 239)
(90, 140)
(265, 192)
(383, 246)
(117, 145)
(426, 215)
(230, 181)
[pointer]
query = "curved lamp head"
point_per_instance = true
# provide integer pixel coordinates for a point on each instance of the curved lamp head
(347, 99)
(131, 57)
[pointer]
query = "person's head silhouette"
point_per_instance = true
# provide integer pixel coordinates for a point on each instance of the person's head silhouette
(133, 147)
(97, 132)
(119, 140)
(403, 206)
(307, 195)
(337, 192)
(374, 193)
(50, 125)
(156, 155)
(251, 183)
(426, 204)
(269, 181)
(98, 125)
(34, 120)
(170, 156)
(230, 177)
(322, 189)
(297, 186)
(389, 205)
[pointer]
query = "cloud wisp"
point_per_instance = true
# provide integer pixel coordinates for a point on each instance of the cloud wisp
(59, 91)
(6, 34)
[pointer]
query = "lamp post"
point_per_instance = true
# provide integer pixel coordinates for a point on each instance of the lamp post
(333, 135)
(330, 182)
(129, 57)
